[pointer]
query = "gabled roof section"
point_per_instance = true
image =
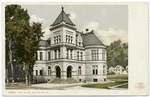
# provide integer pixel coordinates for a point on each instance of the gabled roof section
(91, 39)
(63, 17)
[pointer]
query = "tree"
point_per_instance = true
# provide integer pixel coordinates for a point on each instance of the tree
(117, 54)
(30, 46)
(15, 20)
(23, 38)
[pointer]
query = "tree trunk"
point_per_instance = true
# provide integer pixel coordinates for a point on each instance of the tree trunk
(10, 58)
(29, 79)
(7, 76)
(26, 75)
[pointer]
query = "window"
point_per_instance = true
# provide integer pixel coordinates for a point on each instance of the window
(67, 54)
(36, 55)
(41, 72)
(55, 54)
(81, 55)
(79, 43)
(70, 54)
(71, 39)
(49, 70)
(94, 80)
(95, 54)
(79, 70)
(103, 54)
(95, 70)
(66, 38)
(104, 69)
(36, 72)
(58, 53)
(54, 39)
(77, 55)
(57, 39)
(48, 55)
(104, 79)
(41, 55)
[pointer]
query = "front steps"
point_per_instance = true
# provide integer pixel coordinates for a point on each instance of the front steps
(63, 81)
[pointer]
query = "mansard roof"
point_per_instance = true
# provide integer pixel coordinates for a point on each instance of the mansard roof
(91, 39)
(43, 43)
(63, 18)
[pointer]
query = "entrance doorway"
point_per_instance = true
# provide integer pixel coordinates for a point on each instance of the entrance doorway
(69, 71)
(58, 72)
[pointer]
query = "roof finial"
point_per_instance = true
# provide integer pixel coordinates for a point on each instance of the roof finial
(62, 8)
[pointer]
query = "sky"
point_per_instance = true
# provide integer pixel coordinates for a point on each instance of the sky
(109, 22)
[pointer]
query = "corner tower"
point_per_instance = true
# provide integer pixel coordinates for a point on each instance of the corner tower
(63, 35)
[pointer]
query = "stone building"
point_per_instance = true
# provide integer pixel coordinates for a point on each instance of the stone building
(69, 53)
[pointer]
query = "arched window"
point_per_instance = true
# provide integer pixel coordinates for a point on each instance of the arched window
(49, 70)
(79, 70)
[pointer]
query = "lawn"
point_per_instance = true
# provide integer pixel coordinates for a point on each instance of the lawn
(124, 86)
(125, 78)
(105, 86)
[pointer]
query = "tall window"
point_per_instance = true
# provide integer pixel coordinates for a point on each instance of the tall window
(81, 56)
(103, 54)
(58, 53)
(79, 70)
(41, 72)
(95, 70)
(36, 72)
(71, 39)
(55, 54)
(70, 54)
(36, 55)
(104, 69)
(49, 70)
(41, 55)
(77, 55)
(95, 54)
(48, 55)
(54, 39)
(66, 38)
(67, 53)
(57, 39)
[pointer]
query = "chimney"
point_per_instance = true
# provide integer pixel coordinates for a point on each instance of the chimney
(87, 30)
(68, 15)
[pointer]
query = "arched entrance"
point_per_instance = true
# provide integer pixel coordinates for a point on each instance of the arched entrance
(58, 71)
(69, 71)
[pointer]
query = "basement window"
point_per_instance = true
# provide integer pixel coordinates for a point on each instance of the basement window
(94, 80)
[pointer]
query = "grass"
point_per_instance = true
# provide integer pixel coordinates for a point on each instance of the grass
(126, 78)
(124, 86)
(105, 86)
